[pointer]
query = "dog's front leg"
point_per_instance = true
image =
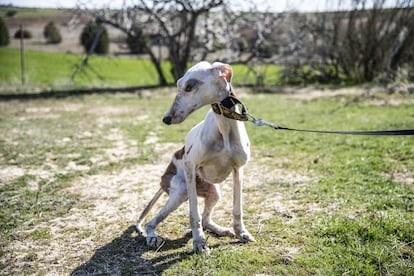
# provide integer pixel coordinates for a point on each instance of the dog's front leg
(238, 224)
(199, 242)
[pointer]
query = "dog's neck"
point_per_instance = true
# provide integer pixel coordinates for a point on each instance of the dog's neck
(229, 128)
(229, 108)
(227, 102)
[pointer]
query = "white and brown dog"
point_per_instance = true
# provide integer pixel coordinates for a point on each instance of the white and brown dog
(213, 149)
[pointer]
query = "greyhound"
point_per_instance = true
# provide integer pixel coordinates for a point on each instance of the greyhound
(213, 149)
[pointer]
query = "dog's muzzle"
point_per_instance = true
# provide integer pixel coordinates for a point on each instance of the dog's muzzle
(167, 120)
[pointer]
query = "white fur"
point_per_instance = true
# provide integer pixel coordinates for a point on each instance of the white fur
(214, 149)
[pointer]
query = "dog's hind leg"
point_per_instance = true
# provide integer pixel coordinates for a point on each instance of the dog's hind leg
(177, 195)
(211, 194)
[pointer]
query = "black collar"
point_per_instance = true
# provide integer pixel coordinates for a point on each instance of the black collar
(225, 108)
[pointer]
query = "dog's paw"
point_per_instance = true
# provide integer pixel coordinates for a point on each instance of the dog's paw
(200, 247)
(219, 230)
(245, 236)
(154, 241)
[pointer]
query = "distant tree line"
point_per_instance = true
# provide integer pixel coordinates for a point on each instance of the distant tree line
(362, 43)
(50, 32)
(357, 45)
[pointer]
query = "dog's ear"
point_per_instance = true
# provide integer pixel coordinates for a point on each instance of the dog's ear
(224, 70)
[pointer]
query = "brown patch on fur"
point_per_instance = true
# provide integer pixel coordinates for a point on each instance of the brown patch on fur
(225, 71)
(179, 153)
(171, 171)
(202, 186)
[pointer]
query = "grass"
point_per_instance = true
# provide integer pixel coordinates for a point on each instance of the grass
(44, 71)
(54, 71)
(316, 204)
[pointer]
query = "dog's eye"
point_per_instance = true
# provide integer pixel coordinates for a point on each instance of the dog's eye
(188, 88)
(192, 85)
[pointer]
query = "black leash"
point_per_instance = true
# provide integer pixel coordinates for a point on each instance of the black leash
(399, 132)
(225, 108)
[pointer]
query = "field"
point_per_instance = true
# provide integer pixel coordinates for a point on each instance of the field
(76, 172)
(54, 71)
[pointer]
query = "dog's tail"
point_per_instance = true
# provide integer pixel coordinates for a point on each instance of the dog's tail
(146, 211)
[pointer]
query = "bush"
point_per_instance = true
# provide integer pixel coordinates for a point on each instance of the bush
(4, 33)
(11, 13)
(137, 42)
(88, 35)
(26, 34)
(52, 34)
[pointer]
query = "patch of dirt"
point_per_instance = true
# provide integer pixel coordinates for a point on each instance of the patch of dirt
(110, 203)
(8, 174)
(367, 96)
(405, 177)
(310, 93)
(388, 102)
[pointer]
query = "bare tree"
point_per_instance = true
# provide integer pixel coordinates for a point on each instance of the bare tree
(249, 37)
(172, 22)
(362, 41)
(370, 42)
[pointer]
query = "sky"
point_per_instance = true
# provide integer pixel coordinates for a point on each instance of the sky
(263, 5)
(272, 5)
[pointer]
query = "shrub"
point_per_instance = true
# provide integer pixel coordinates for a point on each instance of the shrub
(88, 35)
(137, 42)
(26, 34)
(4, 33)
(52, 34)
(11, 13)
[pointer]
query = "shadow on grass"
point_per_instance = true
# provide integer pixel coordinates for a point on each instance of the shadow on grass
(75, 92)
(123, 256)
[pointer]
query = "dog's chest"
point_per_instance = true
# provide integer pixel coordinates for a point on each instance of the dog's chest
(220, 164)
(217, 146)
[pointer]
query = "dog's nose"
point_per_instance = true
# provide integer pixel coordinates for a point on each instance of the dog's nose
(167, 120)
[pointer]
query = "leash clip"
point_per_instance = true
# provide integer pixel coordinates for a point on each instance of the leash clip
(258, 122)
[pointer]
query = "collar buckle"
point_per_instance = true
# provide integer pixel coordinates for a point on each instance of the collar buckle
(225, 108)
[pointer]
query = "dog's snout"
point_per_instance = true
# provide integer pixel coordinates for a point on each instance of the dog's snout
(167, 120)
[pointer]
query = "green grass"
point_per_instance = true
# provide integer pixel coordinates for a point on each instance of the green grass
(44, 70)
(54, 70)
(345, 204)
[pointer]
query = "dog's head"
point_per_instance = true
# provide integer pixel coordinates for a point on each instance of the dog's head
(202, 84)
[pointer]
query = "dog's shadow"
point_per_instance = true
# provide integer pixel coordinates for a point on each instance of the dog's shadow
(124, 256)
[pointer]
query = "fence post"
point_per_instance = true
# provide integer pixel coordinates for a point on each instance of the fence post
(21, 55)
